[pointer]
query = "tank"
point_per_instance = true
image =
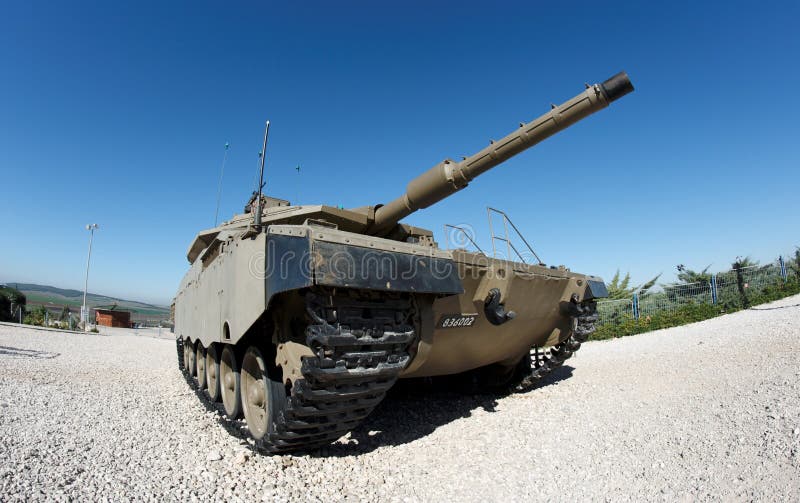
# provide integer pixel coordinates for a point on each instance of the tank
(300, 318)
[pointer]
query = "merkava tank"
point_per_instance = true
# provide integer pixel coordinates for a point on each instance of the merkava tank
(300, 318)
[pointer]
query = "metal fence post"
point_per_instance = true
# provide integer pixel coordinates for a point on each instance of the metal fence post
(635, 306)
(783, 268)
(713, 288)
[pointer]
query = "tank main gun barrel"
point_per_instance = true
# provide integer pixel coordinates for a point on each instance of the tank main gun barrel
(449, 176)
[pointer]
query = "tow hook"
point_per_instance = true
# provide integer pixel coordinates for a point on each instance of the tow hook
(495, 311)
(573, 308)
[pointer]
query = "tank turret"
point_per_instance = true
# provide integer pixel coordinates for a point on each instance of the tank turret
(450, 176)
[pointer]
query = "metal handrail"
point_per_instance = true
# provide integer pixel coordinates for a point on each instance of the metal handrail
(509, 245)
(464, 232)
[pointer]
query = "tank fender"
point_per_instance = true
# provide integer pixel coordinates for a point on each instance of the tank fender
(295, 260)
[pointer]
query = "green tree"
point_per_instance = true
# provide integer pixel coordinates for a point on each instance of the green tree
(12, 294)
(620, 288)
(10, 298)
(793, 263)
(5, 308)
(691, 285)
(743, 263)
(738, 267)
(687, 276)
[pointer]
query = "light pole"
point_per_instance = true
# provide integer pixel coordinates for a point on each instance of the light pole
(84, 309)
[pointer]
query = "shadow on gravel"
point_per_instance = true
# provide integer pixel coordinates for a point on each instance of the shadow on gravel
(414, 408)
(234, 428)
(27, 353)
(772, 308)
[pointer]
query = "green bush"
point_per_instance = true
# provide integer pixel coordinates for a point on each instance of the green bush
(693, 312)
(688, 313)
(35, 316)
(776, 291)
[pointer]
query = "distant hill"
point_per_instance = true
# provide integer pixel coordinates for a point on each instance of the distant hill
(51, 295)
(29, 287)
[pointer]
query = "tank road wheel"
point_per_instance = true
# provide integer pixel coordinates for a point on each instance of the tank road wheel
(185, 353)
(181, 356)
(191, 361)
(289, 360)
(230, 382)
(212, 372)
(200, 358)
(260, 393)
(188, 351)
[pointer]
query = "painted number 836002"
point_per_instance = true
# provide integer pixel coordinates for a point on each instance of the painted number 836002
(457, 320)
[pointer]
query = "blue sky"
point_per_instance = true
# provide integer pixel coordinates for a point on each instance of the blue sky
(117, 113)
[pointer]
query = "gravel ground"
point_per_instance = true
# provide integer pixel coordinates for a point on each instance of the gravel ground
(707, 411)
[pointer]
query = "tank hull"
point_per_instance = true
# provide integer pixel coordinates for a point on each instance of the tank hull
(237, 279)
(464, 338)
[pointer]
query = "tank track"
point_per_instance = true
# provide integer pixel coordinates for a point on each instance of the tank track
(360, 347)
(584, 316)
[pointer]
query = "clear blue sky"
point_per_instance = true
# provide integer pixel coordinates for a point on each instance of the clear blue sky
(117, 113)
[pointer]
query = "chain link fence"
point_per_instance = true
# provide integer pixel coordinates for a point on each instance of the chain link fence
(614, 311)
(733, 289)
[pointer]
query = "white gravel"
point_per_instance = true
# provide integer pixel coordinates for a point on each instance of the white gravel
(707, 411)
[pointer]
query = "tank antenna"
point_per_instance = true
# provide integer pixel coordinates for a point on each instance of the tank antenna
(261, 177)
(219, 188)
(297, 191)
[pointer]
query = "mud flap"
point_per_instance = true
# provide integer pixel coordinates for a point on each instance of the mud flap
(595, 290)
